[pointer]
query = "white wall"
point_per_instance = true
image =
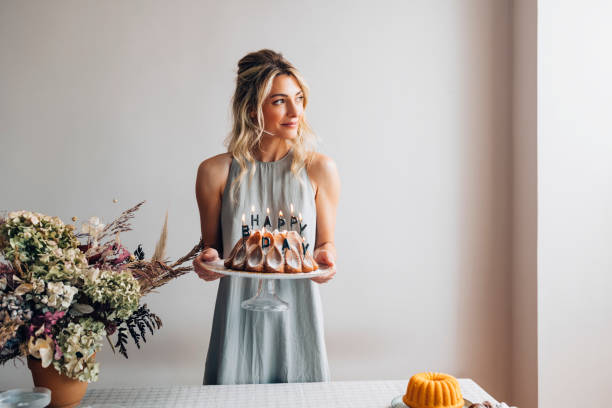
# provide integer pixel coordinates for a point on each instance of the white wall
(524, 362)
(574, 203)
(412, 99)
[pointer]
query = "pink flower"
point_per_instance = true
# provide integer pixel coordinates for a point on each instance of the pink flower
(52, 318)
(58, 352)
(123, 255)
(43, 323)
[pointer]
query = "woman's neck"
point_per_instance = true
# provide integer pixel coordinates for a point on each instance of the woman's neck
(271, 149)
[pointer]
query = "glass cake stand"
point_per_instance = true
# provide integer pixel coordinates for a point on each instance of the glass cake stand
(266, 299)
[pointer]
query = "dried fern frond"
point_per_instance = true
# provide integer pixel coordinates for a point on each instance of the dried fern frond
(160, 248)
(7, 355)
(137, 326)
(121, 341)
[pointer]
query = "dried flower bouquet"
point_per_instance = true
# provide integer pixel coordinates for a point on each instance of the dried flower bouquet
(61, 293)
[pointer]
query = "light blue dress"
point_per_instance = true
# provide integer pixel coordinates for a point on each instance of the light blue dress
(267, 347)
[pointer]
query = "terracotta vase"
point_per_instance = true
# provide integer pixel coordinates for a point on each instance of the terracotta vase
(65, 392)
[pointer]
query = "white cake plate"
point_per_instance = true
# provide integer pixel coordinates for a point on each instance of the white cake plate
(266, 299)
(398, 402)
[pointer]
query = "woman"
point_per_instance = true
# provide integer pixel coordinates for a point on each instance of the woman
(270, 163)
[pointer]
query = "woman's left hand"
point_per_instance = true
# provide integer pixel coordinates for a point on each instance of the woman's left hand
(325, 258)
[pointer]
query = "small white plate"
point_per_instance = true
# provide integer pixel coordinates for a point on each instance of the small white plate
(399, 403)
(218, 267)
(37, 397)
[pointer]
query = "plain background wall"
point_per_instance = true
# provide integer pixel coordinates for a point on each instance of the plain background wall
(524, 362)
(574, 203)
(104, 100)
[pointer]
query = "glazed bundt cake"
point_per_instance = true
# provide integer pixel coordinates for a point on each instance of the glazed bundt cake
(271, 252)
(433, 390)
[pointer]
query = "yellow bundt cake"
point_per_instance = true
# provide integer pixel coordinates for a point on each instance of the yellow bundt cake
(433, 390)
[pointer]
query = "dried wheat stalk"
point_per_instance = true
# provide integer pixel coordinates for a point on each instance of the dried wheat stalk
(121, 224)
(153, 274)
(160, 248)
(190, 255)
(156, 272)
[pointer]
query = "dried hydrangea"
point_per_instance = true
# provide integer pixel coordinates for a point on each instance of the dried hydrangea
(47, 296)
(47, 247)
(13, 307)
(38, 286)
(119, 290)
(78, 342)
(58, 295)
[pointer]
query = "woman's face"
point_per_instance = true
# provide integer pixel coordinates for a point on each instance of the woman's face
(283, 108)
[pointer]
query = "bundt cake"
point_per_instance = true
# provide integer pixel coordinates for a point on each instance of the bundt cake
(433, 390)
(271, 252)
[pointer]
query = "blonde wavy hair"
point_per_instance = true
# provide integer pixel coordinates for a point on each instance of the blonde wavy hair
(256, 72)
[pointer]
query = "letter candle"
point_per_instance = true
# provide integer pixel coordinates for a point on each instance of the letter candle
(245, 230)
(304, 248)
(267, 221)
(281, 220)
(293, 219)
(302, 228)
(254, 219)
(265, 241)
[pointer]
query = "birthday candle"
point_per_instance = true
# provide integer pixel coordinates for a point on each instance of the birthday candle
(265, 242)
(253, 218)
(304, 246)
(281, 220)
(293, 219)
(267, 221)
(245, 230)
(302, 228)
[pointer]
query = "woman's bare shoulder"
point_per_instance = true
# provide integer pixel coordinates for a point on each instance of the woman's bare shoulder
(322, 170)
(216, 163)
(213, 172)
(321, 165)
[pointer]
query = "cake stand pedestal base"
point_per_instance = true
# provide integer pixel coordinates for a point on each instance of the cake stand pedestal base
(266, 299)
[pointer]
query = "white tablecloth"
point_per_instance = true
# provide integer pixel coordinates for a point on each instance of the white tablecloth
(353, 394)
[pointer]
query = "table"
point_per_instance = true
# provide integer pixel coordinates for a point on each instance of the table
(342, 394)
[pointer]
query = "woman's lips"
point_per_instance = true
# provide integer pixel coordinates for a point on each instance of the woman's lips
(289, 124)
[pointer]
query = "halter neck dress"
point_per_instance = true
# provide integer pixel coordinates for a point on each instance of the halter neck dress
(248, 347)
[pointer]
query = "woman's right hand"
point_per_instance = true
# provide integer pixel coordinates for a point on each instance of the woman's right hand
(200, 264)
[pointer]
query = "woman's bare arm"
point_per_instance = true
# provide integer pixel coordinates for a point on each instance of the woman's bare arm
(210, 183)
(326, 182)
